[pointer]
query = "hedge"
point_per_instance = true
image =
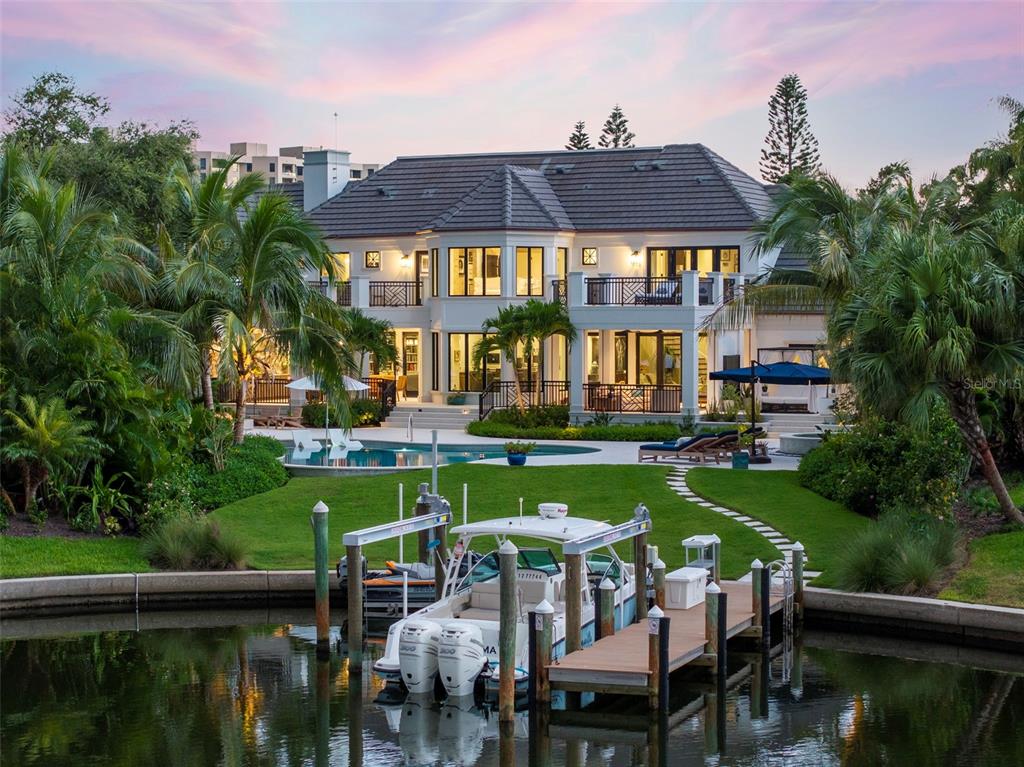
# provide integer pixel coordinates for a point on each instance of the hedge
(645, 432)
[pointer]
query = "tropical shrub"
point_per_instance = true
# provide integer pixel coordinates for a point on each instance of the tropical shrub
(189, 543)
(548, 415)
(250, 468)
(902, 553)
(880, 465)
(313, 415)
(366, 412)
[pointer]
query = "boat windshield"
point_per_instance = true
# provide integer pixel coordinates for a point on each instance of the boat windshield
(529, 559)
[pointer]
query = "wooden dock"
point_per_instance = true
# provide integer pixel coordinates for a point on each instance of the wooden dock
(619, 663)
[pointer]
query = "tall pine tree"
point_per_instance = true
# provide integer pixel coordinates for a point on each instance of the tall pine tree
(616, 130)
(579, 139)
(790, 144)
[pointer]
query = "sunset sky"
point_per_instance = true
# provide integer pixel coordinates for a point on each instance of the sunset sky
(887, 81)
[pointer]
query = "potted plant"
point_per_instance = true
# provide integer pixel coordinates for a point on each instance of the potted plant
(516, 452)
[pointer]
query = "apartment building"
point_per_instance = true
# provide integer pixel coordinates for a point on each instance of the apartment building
(285, 167)
(641, 245)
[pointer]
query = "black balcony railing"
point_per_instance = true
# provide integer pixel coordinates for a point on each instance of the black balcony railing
(632, 398)
(258, 391)
(728, 289)
(500, 395)
(705, 289)
(381, 389)
(344, 293)
(634, 291)
(558, 292)
(395, 293)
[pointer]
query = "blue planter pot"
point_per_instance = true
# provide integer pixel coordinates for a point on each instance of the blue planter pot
(741, 460)
(516, 459)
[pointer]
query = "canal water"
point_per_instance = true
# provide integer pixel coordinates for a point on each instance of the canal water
(172, 690)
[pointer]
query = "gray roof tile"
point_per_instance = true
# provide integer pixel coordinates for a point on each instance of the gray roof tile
(679, 186)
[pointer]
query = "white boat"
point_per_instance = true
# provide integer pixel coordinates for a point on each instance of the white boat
(453, 643)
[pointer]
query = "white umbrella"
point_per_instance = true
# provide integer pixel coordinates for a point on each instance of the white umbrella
(310, 383)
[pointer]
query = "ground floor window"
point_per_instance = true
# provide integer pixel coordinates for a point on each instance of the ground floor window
(463, 375)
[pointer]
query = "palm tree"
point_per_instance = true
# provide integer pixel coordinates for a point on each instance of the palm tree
(367, 335)
(933, 318)
(192, 280)
(48, 439)
(544, 319)
(270, 309)
(504, 333)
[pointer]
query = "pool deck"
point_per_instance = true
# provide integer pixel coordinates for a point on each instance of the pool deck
(607, 452)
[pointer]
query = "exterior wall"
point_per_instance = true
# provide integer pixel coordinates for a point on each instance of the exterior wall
(446, 314)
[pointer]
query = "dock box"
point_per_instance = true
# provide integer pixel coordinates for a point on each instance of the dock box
(684, 588)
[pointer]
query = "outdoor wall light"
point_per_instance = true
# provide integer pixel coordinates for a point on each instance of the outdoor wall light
(634, 258)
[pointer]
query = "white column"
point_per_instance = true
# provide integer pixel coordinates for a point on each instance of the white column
(360, 292)
(426, 364)
(689, 372)
(576, 289)
(577, 370)
(689, 288)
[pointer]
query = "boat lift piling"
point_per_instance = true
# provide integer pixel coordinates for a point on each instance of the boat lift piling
(507, 556)
(354, 542)
(659, 582)
(755, 599)
(323, 593)
(640, 563)
(605, 609)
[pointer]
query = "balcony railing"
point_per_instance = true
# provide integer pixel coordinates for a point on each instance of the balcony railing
(705, 291)
(634, 291)
(559, 292)
(258, 391)
(500, 395)
(395, 293)
(632, 398)
(344, 296)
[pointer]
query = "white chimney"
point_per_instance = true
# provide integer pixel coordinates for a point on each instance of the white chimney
(324, 174)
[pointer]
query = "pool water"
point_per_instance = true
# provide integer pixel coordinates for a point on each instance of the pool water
(412, 455)
(257, 695)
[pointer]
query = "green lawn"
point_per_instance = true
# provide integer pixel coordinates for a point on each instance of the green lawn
(26, 557)
(275, 525)
(995, 574)
(776, 497)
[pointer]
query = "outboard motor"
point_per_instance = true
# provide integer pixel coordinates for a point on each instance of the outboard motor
(417, 655)
(461, 657)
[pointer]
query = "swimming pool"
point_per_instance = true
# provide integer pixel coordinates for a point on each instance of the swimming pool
(395, 456)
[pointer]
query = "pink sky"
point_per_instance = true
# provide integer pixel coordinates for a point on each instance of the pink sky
(887, 81)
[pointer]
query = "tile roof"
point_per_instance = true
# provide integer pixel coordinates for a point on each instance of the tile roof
(292, 191)
(679, 186)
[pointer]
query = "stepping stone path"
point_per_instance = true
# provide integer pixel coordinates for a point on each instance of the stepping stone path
(677, 482)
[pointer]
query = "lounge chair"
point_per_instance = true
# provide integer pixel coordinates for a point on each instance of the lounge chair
(341, 438)
(303, 439)
(715, 447)
(667, 449)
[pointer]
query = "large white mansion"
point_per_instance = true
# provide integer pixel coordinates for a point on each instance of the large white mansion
(640, 244)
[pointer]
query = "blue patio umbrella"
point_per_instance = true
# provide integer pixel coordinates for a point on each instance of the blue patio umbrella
(793, 373)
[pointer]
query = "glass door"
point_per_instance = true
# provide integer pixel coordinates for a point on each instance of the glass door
(411, 362)
(659, 357)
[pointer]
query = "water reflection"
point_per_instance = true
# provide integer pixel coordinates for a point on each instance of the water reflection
(257, 695)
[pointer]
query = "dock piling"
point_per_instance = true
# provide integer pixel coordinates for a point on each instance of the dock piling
(711, 620)
(323, 593)
(798, 581)
(654, 628)
(541, 629)
(716, 568)
(423, 508)
(354, 558)
(507, 555)
(755, 591)
(606, 608)
(659, 583)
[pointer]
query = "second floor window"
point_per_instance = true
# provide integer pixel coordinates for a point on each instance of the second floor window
(202, 163)
(433, 274)
(474, 271)
(273, 167)
(529, 271)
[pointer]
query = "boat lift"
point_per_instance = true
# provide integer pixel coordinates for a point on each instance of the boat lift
(354, 542)
(574, 550)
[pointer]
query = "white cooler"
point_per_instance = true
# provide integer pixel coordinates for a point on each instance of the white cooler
(684, 588)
